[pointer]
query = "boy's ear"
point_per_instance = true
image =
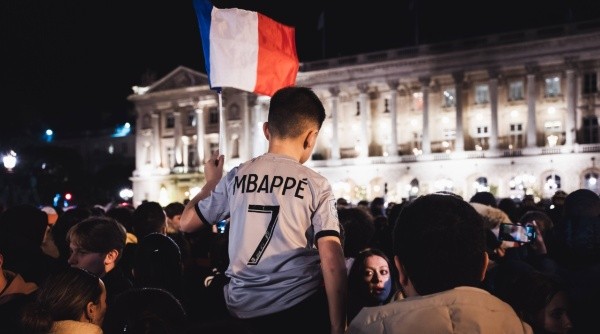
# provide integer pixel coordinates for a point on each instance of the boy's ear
(401, 272)
(311, 139)
(266, 130)
(111, 256)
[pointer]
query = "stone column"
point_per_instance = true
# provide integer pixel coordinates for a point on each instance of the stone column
(531, 126)
(156, 151)
(393, 150)
(459, 142)
(177, 144)
(246, 141)
(425, 140)
(335, 141)
(200, 135)
(571, 117)
(363, 88)
(493, 86)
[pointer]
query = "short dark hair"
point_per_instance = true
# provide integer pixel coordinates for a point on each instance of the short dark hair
(148, 217)
(173, 209)
(440, 242)
(293, 110)
(99, 234)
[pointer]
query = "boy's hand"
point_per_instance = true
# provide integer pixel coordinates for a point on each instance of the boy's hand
(213, 169)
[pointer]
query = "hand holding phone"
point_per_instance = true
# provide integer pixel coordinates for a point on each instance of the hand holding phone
(517, 232)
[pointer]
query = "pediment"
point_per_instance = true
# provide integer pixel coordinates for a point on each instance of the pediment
(181, 77)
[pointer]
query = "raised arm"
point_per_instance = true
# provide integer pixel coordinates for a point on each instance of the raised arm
(334, 274)
(213, 172)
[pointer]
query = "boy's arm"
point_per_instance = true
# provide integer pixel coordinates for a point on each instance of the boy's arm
(213, 172)
(334, 274)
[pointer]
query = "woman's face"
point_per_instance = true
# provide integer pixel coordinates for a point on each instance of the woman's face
(377, 277)
(554, 316)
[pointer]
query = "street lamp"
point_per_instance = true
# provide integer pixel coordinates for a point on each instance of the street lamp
(10, 161)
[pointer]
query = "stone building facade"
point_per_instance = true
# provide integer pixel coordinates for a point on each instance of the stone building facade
(514, 114)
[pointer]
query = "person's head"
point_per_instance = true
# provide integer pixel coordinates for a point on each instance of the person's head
(65, 221)
(558, 199)
(25, 223)
(122, 214)
(370, 277)
(149, 217)
(71, 294)
(484, 197)
(358, 230)
(439, 244)
(173, 211)
(578, 230)
(541, 301)
(96, 244)
(295, 113)
(377, 206)
(543, 221)
(582, 203)
(138, 309)
(157, 263)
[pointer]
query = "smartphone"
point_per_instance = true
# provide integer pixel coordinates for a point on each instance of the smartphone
(516, 232)
(222, 226)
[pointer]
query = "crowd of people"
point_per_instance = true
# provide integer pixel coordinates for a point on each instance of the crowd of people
(267, 245)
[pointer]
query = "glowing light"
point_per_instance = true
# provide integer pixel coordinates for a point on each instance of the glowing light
(126, 193)
(163, 196)
(10, 160)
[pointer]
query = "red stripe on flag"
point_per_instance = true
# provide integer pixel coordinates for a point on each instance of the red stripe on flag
(277, 59)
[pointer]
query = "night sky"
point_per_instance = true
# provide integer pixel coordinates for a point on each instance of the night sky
(70, 65)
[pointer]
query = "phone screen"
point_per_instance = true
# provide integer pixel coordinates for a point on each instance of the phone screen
(516, 232)
(222, 226)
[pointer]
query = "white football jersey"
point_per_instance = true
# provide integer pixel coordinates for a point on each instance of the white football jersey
(277, 209)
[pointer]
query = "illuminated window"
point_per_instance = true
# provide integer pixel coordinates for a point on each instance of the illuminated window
(515, 91)
(481, 184)
(591, 182)
(191, 118)
(449, 98)
(552, 183)
(552, 88)
(482, 94)
(418, 101)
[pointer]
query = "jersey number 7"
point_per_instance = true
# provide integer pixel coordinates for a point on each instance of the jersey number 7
(264, 242)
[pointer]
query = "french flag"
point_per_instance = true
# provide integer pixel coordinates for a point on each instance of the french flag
(246, 50)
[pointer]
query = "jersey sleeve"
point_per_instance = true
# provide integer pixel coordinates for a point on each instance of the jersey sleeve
(215, 207)
(325, 219)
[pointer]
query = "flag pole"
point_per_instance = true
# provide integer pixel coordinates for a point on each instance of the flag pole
(222, 121)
